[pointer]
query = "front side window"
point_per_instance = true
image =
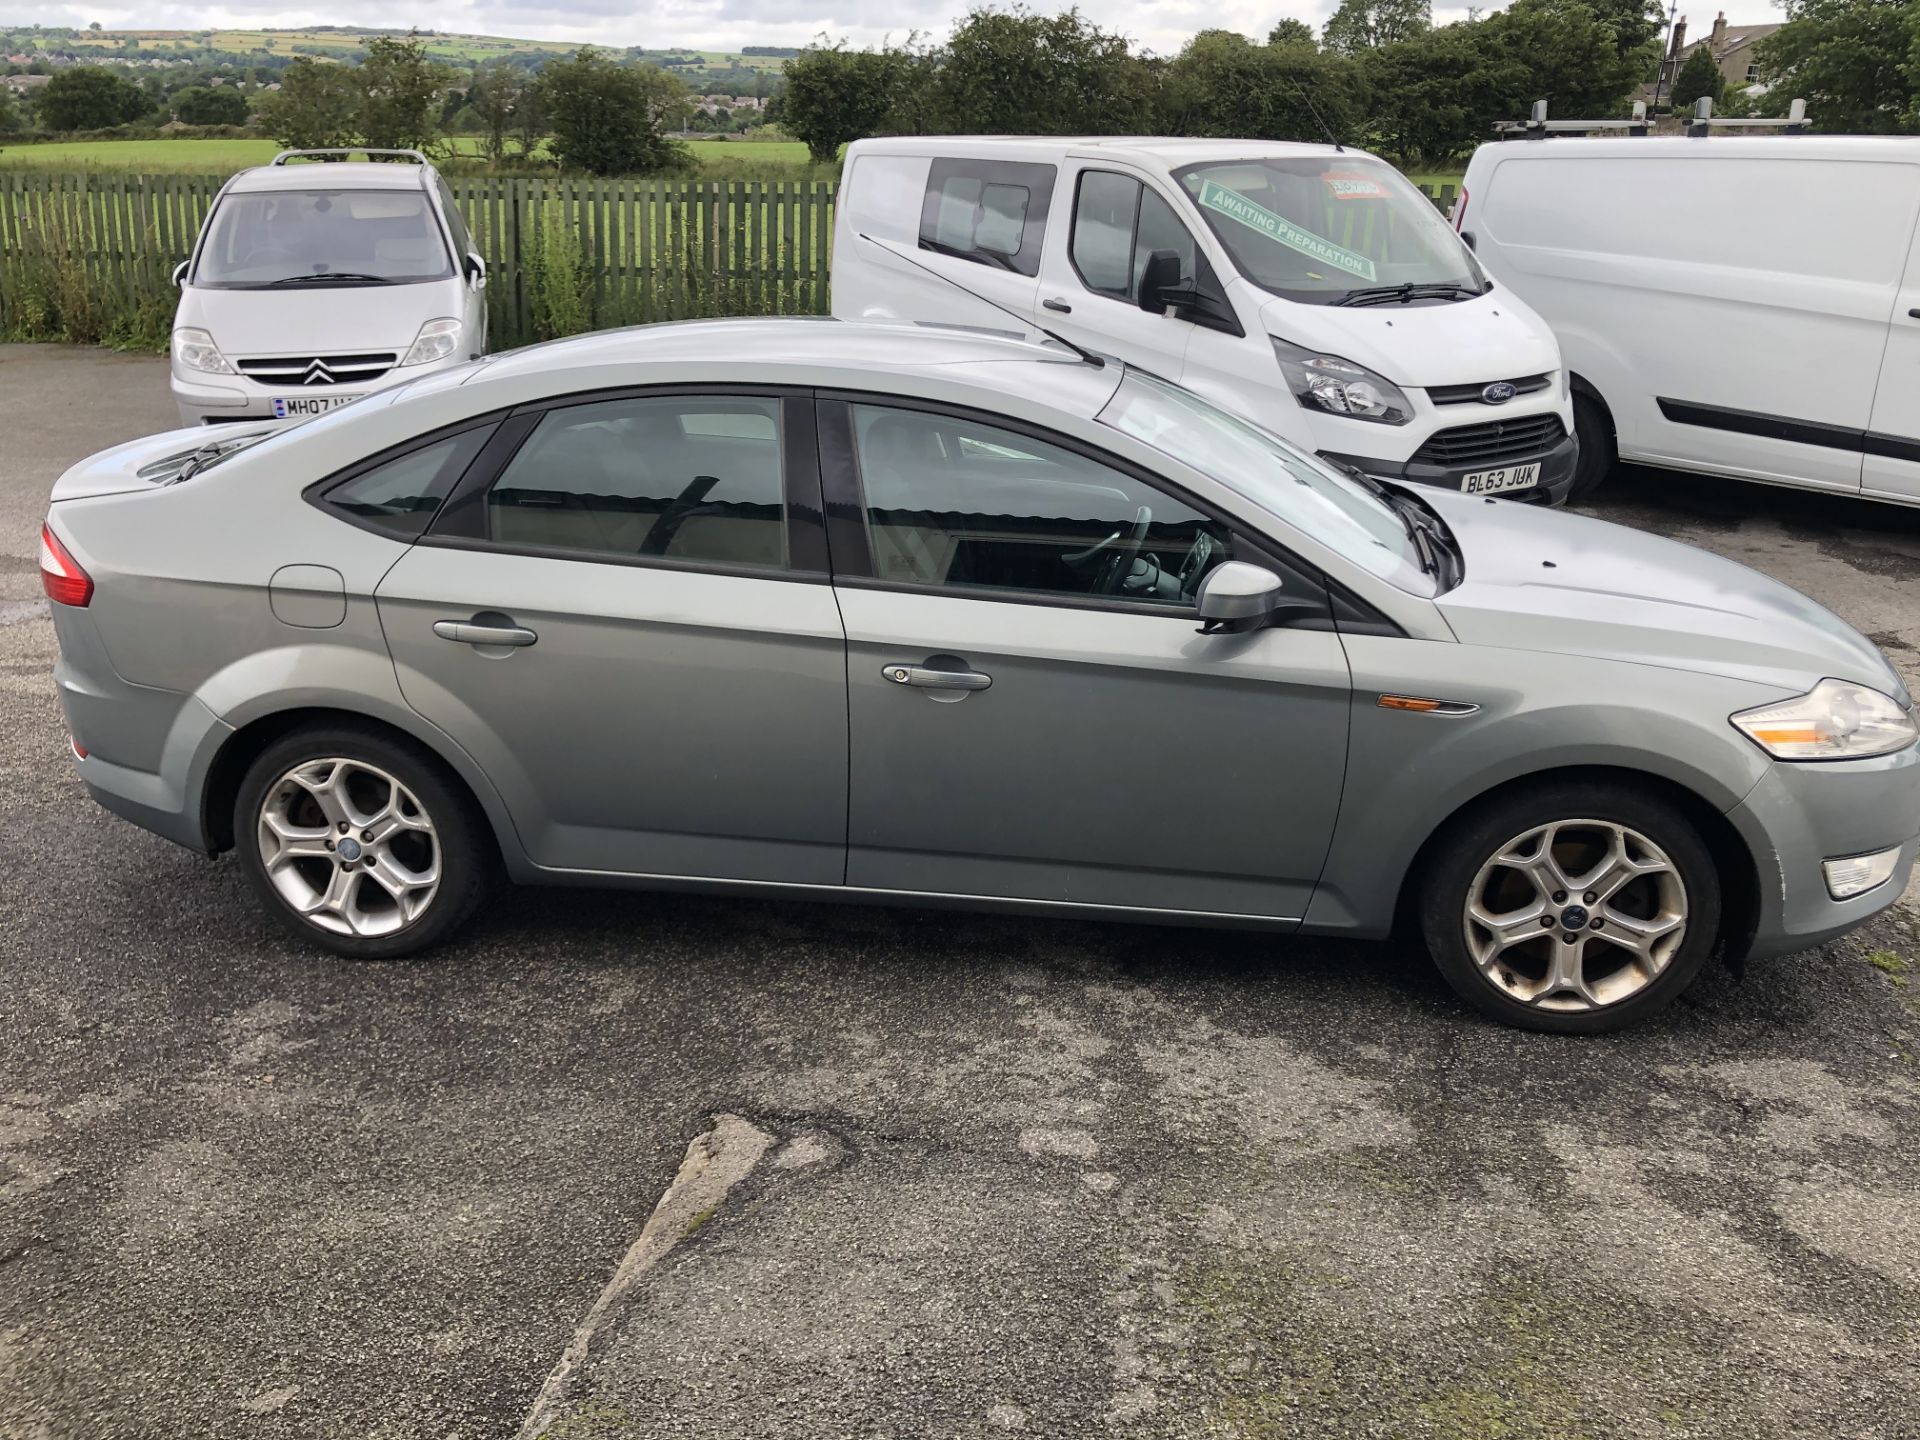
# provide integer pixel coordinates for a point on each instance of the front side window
(1266, 470)
(311, 238)
(462, 240)
(955, 503)
(401, 496)
(1118, 224)
(1325, 229)
(992, 212)
(689, 478)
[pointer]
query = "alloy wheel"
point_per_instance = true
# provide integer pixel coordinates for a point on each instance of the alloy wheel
(1575, 915)
(348, 847)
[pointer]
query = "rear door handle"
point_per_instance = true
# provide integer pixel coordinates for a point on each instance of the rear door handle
(465, 632)
(930, 679)
(1057, 304)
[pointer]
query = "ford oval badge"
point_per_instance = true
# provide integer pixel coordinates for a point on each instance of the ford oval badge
(1498, 393)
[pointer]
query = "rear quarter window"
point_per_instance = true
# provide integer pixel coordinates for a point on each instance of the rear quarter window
(400, 496)
(992, 212)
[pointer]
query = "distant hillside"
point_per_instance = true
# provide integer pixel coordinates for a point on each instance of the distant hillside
(346, 42)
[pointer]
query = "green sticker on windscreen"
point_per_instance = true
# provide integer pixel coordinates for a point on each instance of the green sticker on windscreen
(1236, 206)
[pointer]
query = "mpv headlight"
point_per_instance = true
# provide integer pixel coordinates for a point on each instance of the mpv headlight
(195, 350)
(1340, 387)
(437, 340)
(1836, 720)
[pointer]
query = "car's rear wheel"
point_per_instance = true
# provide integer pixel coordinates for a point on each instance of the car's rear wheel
(1571, 907)
(1594, 427)
(360, 842)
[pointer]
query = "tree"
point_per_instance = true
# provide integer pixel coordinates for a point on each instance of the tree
(1700, 75)
(530, 116)
(1437, 92)
(401, 86)
(90, 97)
(602, 118)
(1368, 24)
(200, 105)
(835, 95)
(317, 107)
(1291, 32)
(1571, 57)
(494, 96)
(1223, 84)
(1014, 72)
(1852, 60)
(9, 117)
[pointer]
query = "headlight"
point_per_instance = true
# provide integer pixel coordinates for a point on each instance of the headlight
(195, 350)
(1340, 387)
(1836, 720)
(437, 340)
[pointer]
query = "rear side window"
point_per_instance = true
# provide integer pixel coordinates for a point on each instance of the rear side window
(689, 478)
(993, 212)
(401, 496)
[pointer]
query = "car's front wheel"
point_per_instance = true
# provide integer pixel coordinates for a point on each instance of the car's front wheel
(1571, 907)
(360, 842)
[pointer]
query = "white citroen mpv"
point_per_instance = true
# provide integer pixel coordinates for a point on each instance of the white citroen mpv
(312, 284)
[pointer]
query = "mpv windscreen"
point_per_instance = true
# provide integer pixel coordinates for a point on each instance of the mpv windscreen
(293, 238)
(1331, 230)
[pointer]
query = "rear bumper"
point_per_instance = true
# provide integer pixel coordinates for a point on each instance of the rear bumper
(1801, 815)
(1556, 472)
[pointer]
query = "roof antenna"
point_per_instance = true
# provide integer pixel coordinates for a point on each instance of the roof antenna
(1097, 361)
(1332, 140)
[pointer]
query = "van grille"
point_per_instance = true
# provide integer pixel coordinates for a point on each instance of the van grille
(306, 370)
(1495, 443)
(1468, 394)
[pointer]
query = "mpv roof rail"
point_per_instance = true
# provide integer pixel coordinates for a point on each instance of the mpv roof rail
(1539, 127)
(286, 155)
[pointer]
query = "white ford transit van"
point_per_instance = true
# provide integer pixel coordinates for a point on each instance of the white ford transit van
(311, 284)
(1310, 288)
(1744, 306)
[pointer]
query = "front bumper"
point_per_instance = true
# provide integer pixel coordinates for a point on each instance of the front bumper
(1556, 472)
(1802, 815)
(227, 399)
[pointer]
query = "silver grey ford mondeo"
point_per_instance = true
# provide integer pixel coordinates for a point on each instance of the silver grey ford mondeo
(884, 613)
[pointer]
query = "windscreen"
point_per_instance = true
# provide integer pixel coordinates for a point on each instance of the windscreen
(320, 237)
(1324, 228)
(1281, 480)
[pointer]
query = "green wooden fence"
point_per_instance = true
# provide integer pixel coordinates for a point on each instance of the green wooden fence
(630, 251)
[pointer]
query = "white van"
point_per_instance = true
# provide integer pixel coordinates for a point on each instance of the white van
(1308, 287)
(311, 284)
(1744, 306)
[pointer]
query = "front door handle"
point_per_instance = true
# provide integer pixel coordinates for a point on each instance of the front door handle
(927, 678)
(465, 632)
(1055, 303)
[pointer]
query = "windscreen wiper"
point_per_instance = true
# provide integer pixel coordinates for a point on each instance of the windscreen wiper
(1381, 294)
(346, 275)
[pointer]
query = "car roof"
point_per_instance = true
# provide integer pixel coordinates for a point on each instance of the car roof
(1723, 147)
(1164, 150)
(344, 175)
(805, 351)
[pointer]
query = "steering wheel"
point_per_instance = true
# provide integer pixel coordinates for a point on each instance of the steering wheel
(1122, 550)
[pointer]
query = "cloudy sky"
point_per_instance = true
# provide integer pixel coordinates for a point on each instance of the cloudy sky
(1160, 25)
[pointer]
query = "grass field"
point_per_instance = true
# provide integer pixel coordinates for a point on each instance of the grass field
(223, 157)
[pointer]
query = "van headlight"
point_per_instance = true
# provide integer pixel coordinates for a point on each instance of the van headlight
(1340, 387)
(195, 350)
(1836, 720)
(436, 341)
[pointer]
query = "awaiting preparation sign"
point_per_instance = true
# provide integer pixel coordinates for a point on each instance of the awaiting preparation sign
(1236, 206)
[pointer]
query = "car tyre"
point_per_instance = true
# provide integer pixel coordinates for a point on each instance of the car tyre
(1551, 907)
(1595, 462)
(361, 842)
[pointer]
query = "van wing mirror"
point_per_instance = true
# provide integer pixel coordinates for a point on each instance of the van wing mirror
(1160, 281)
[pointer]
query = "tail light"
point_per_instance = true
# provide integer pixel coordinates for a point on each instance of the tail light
(60, 574)
(1459, 216)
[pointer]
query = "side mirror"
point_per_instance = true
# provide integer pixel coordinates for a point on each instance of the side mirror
(476, 269)
(1236, 597)
(1161, 276)
(1466, 239)
(180, 273)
